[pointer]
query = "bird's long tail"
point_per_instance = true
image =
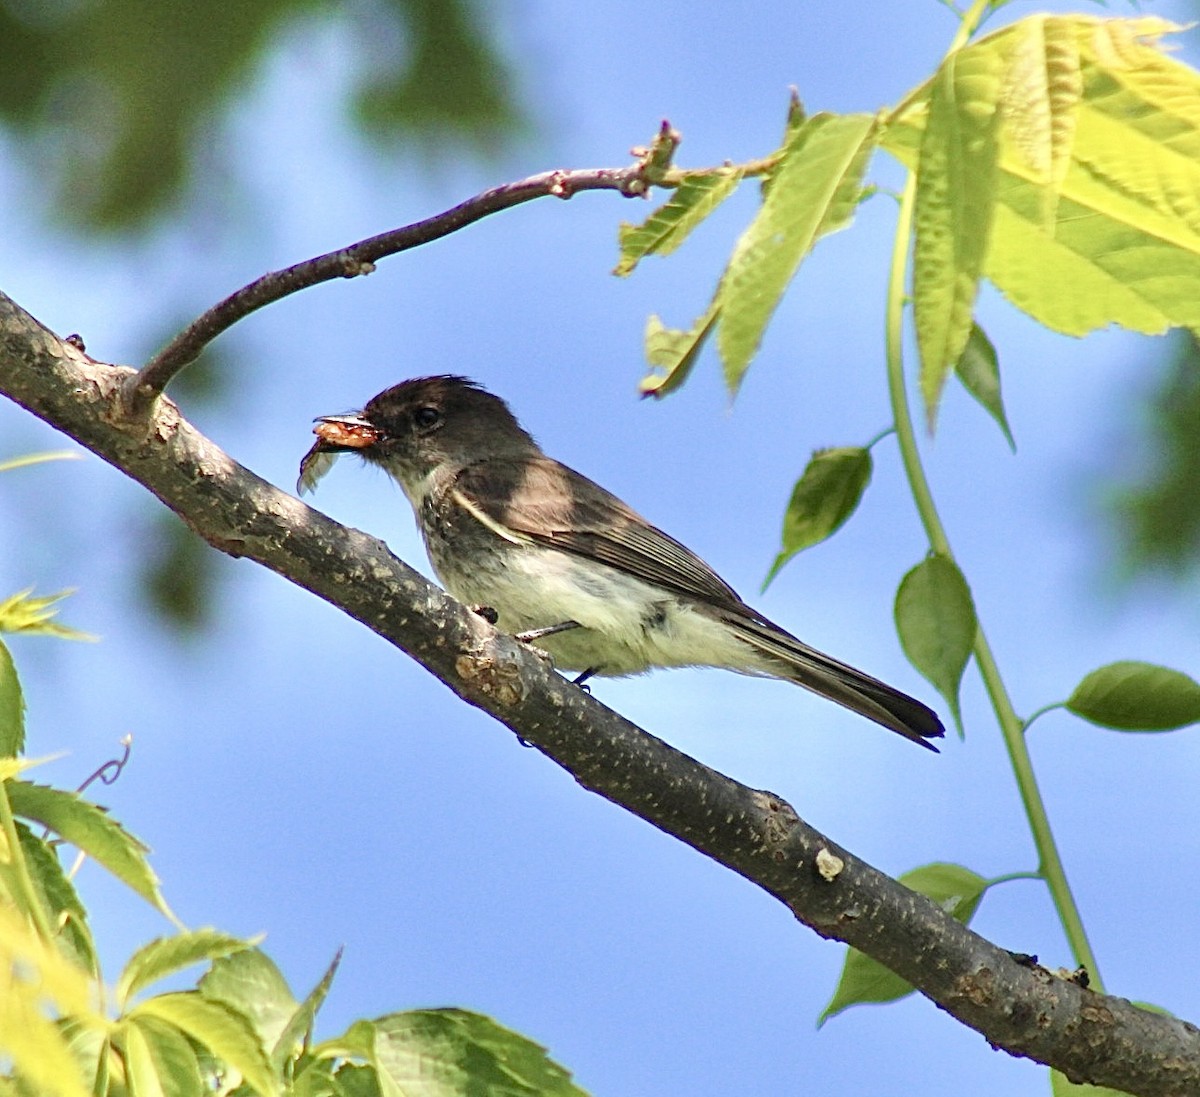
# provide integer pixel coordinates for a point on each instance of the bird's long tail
(796, 661)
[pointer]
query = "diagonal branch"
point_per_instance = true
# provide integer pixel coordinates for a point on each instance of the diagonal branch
(1019, 1007)
(651, 168)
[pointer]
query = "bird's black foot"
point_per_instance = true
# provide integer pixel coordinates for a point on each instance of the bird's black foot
(529, 636)
(487, 613)
(582, 679)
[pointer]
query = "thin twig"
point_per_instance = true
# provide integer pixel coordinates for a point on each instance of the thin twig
(651, 168)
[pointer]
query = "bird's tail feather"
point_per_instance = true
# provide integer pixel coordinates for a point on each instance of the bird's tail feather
(838, 681)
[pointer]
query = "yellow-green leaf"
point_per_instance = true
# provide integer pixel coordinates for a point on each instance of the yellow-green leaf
(12, 707)
(224, 1033)
(166, 955)
(448, 1052)
(956, 191)
(674, 352)
(1040, 97)
(159, 1062)
(813, 191)
(252, 984)
(92, 831)
(26, 614)
(669, 225)
(1123, 244)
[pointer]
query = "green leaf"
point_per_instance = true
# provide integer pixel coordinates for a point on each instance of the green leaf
(60, 900)
(159, 1062)
(249, 982)
(222, 1031)
(37, 1047)
(26, 614)
(12, 707)
(450, 1053)
(674, 352)
(956, 189)
(1042, 88)
(300, 1027)
(1124, 243)
(92, 831)
(1132, 696)
(669, 225)
(935, 618)
(813, 191)
(167, 955)
(978, 369)
(957, 890)
(826, 494)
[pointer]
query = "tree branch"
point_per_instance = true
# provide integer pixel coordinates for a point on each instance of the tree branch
(651, 168)
(1019, 1007)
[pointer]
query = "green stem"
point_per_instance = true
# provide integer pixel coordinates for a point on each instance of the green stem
(1011, 726)
(1010, 876)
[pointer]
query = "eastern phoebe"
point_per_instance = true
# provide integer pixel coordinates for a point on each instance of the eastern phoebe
(563, 561)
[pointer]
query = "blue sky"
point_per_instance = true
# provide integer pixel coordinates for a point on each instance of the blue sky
(297, 776)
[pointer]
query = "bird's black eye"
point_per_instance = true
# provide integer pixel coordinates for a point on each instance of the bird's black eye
(426, 417)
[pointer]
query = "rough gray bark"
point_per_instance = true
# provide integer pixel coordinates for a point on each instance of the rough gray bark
(1016, 1006)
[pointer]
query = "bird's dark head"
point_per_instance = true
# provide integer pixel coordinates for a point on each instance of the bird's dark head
(417, 427)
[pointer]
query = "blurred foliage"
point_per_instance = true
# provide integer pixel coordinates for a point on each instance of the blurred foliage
(178, 572)
(1157, 517)
(117, 101)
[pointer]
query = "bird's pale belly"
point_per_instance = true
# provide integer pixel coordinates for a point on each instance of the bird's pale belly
(626, 625)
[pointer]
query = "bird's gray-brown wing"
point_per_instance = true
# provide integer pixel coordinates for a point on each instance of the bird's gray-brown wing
(543, 501)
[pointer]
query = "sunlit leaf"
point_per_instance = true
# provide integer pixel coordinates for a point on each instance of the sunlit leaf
(92, 831)
(674, 352)
(824, 497)
(166, 955)
(159, 1062)
(1042, 87)
(59, 898)
(813, 191)
(1133, 696)
(12, 707)
(935, 617)
(250, 982)
(299, 1028)
(451, 1053)
(956, 191)
(226, 1034)
(669, 225)
(957, 890)
(978, 368)
(1124, 243)
(32, 616)
(45, 980)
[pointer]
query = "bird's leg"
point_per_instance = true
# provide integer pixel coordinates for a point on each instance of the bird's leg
(583, 678)
(530, 635)
(486, 612)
